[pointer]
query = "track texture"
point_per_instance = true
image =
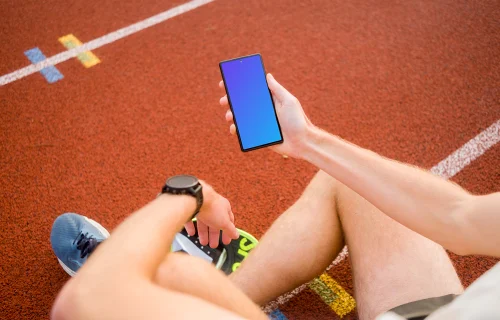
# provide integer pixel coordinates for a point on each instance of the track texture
(410, 80)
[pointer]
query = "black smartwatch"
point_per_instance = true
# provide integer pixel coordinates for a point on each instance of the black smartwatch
(185, 184)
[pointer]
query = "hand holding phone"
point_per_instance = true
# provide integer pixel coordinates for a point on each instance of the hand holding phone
(293, 123)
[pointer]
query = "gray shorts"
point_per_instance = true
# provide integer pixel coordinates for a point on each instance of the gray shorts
(420, 309)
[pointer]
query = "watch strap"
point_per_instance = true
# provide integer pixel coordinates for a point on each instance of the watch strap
(196, 192)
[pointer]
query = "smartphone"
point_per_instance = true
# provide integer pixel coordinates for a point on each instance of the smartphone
(251, 102)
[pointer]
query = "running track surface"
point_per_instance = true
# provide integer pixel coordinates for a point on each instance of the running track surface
(413, 81)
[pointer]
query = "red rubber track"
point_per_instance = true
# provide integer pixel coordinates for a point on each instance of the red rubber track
(411, 80)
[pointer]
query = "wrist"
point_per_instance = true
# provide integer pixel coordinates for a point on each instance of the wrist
(317, 144)
(209, 194)
(184, 201)
(311, 142)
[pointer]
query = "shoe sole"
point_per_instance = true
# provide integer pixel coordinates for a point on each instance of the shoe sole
(101, 229)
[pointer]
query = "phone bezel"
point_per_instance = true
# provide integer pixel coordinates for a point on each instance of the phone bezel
(231, 106)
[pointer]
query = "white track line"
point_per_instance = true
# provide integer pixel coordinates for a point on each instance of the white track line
(470, 151)
(99, 42)
(447, 168)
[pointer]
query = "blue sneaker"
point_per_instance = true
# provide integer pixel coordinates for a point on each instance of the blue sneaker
(74, 238)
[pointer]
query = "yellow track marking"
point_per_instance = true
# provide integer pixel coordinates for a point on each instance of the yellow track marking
(87, 58)
(333, 294)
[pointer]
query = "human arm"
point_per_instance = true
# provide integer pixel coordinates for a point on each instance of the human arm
(429, 205)
(118, 280)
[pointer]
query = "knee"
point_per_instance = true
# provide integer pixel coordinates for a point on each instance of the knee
(61, 308)
(323, 179)
(180, 268)
(321, 187)
(72, 302)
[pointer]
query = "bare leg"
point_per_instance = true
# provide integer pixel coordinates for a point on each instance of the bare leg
(392, 265)
(300, 244)
(194, 277)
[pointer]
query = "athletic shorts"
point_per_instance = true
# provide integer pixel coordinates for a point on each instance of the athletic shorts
(420, 309)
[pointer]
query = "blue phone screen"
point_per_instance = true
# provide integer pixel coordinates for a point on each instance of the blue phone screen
(251, 102)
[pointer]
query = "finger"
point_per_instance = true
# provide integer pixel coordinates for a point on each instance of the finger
(232, 129)
(189, 226)
(229, 116)
(226, 236)
(277, 89)
(202, 233)
(214, 237)
(231, 216)
(226, 239)
(221, 84)
(230, 212)
(231, 231)
(223, 101)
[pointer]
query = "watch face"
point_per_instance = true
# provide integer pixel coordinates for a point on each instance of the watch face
(182, 181)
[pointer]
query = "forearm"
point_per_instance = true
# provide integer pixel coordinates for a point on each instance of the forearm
(144, 238)
(415, 198)
(131, 275)
(125, 263)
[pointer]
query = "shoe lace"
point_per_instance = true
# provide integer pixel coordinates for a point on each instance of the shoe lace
(86, 244)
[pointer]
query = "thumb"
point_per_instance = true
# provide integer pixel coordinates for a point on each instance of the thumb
(277, 89)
